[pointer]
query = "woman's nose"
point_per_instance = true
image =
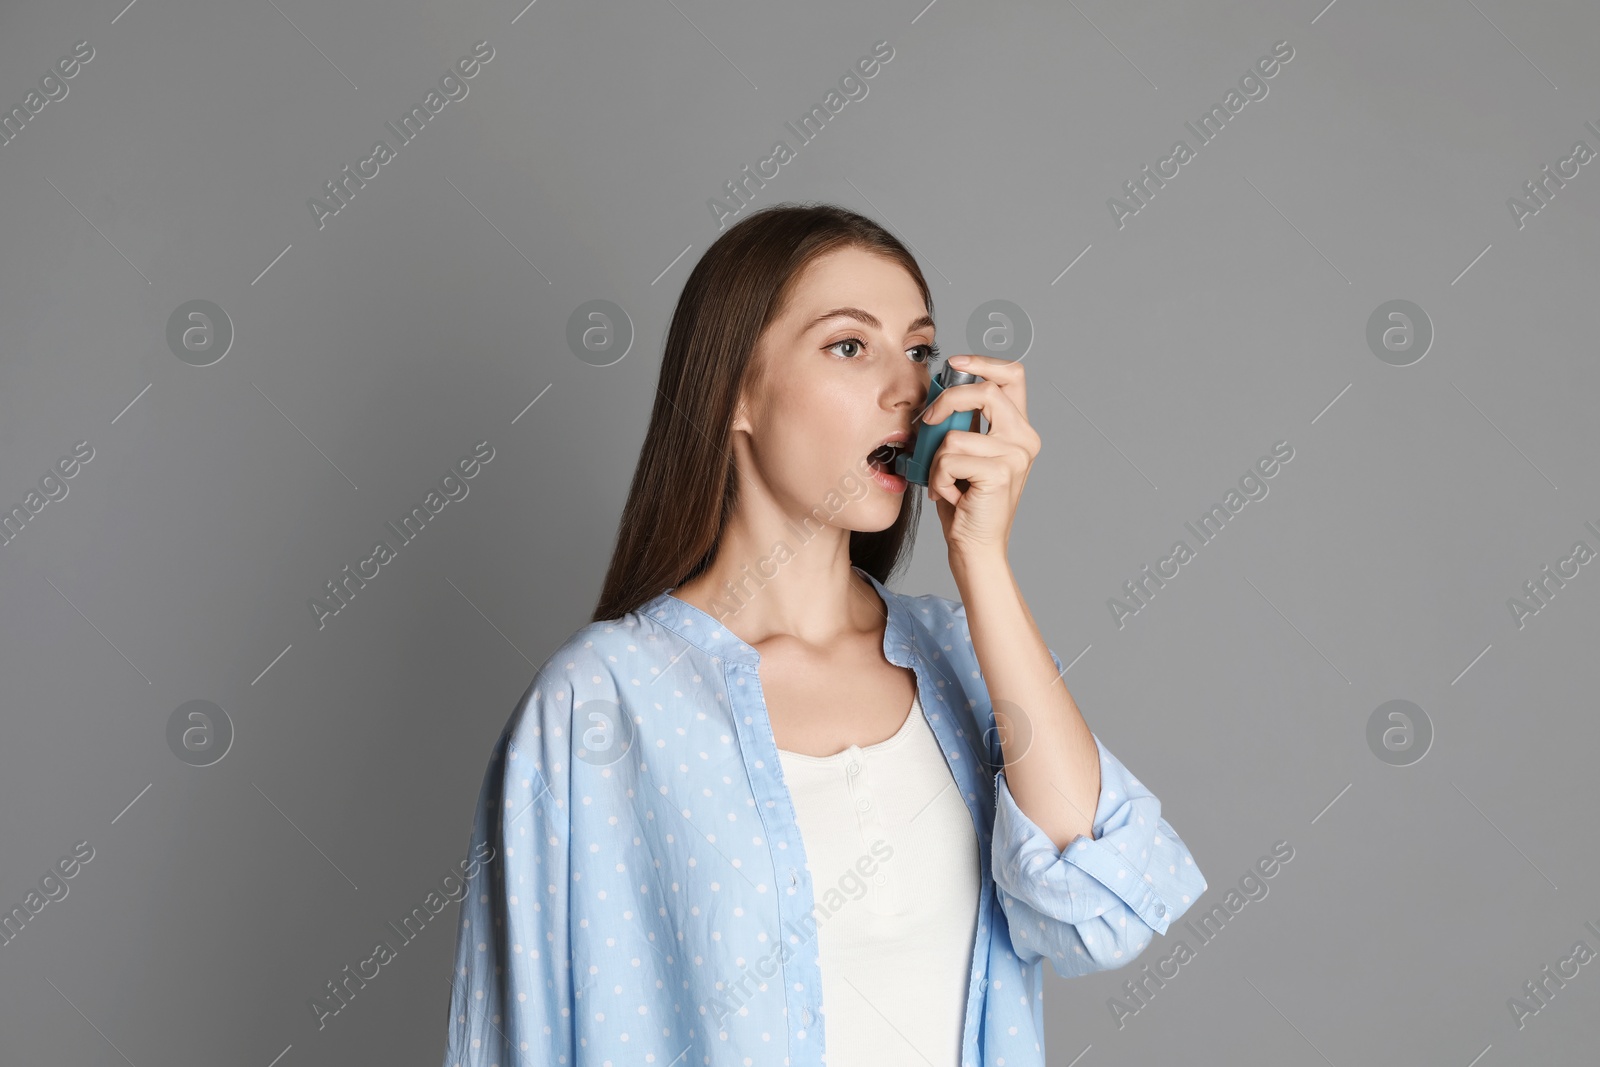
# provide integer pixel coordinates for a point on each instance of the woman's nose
(913, 390)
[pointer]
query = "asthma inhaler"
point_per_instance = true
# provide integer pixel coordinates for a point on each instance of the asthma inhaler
(914, 467)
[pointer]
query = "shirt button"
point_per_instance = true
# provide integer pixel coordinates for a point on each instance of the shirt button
(983, 984)
(863, 804)
(853, 767)
(1161, 910)
(794, 878)
(805, 1016)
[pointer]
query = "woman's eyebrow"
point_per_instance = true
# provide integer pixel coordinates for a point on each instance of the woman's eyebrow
(866, 317)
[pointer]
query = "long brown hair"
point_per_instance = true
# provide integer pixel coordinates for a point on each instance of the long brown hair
(686, 484)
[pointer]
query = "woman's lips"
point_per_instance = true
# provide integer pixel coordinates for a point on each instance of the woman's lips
(882, 460)
(893, 483)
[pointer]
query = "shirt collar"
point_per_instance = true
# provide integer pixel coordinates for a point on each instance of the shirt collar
(708, 634)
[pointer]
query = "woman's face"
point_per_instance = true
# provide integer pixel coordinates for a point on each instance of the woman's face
(846, 366)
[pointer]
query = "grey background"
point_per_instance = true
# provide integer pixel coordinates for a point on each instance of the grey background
(1229, 314)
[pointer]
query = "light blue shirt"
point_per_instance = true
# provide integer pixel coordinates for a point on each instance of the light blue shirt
(644, 897)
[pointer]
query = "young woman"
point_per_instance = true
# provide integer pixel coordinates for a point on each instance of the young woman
(763, 809)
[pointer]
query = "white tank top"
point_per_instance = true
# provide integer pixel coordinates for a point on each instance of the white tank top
(894, 865)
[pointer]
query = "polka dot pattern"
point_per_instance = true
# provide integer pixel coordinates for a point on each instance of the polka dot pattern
(643, 894)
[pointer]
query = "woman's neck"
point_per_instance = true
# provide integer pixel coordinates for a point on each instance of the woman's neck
(816, 600)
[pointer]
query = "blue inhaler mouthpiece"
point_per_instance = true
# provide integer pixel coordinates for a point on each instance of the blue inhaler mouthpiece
(914, 467)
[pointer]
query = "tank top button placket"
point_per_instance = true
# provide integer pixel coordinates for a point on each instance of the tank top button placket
(885, 890)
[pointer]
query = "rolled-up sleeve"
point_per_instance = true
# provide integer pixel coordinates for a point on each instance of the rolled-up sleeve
(1097, 903)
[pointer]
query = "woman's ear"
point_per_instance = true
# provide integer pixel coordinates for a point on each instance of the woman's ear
(750, 386)
(741, 414)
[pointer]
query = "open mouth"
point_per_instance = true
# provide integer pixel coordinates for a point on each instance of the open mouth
(882, 458)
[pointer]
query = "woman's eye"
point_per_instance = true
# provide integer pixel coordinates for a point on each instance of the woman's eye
(926, 354)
